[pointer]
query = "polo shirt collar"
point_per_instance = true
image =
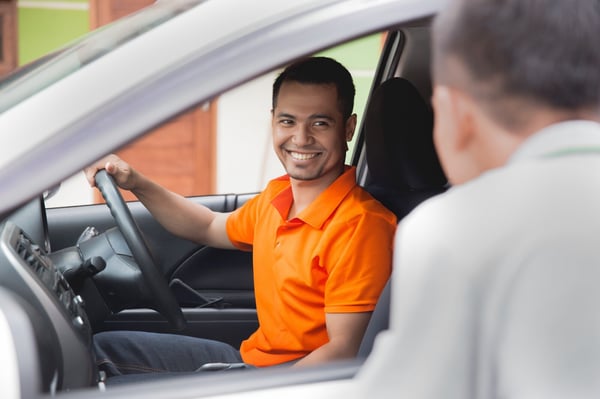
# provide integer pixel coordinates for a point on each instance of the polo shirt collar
(559, 137)
(317, 213)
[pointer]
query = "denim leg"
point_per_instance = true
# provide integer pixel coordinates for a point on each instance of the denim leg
(132, 352)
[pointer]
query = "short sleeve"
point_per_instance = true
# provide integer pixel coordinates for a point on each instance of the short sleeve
(360, 264)
(241, 224)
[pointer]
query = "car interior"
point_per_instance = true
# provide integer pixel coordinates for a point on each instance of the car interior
(76, 271)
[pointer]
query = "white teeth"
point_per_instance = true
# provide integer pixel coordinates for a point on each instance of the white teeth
(302, 157)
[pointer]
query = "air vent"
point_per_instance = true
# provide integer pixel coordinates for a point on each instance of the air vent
(33, 256)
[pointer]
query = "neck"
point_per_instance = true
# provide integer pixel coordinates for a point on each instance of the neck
(498, 149)
(307, 191)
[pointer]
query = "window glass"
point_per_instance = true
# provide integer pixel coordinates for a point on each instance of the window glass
(225, 146)
(360, 57)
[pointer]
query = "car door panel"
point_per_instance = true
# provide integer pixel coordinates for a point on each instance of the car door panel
(213, 286)
(226, 287)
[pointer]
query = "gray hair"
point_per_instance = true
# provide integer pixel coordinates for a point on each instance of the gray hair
(538, 52)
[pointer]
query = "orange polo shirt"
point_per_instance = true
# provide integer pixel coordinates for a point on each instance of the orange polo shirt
(334, 257)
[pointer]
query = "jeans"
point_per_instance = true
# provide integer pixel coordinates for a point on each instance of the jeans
(133, 352)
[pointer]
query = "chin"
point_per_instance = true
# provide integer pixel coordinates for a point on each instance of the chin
(303, 177)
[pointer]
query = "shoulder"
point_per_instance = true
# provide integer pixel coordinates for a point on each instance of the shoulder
(462, 204)
(452, 225)
(360, 204)
(359, 216)
(468, 229)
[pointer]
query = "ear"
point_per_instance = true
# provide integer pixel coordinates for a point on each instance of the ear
(350, 127)
(456, 110)
(466, 112)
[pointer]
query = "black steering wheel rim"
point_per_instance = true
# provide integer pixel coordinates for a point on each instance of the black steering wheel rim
(164, 300)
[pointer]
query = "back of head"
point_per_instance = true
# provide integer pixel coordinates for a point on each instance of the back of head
(541, 52)
(320, 70)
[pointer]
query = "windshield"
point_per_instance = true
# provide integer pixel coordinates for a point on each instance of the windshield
(39, 74)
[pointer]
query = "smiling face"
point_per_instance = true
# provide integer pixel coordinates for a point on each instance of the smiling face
(310, 133)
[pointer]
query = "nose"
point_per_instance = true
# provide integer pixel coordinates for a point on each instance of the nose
(302, 135)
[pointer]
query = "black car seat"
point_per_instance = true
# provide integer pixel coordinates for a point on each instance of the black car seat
(404, 169)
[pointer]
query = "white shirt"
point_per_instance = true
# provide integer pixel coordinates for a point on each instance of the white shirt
(496, 285)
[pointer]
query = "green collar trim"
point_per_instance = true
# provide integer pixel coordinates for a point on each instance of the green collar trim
(573, 150)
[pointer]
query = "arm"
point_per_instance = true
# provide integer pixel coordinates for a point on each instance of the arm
(181, 217)
(345, 332)
(359, 265)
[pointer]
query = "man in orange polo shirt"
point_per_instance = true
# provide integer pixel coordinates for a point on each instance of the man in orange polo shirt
(322, 246)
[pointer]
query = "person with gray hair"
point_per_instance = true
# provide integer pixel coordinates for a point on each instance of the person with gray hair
(495, 282)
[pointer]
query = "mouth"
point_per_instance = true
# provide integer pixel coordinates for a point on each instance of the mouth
(303, 156)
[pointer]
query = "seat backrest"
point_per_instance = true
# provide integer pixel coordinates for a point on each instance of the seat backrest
(403, 165)
(404, 169)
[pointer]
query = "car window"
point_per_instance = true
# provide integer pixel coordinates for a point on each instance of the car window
(225, 146)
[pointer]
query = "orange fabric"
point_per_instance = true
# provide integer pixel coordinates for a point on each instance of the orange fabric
(335, 257)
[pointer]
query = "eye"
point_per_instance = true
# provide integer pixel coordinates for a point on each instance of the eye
(321, 124)
(286, 122)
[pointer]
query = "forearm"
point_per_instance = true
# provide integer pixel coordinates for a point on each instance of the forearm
(345, 332)
(327, 353)
(181, 216)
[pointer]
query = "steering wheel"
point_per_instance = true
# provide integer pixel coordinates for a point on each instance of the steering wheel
(164, 300)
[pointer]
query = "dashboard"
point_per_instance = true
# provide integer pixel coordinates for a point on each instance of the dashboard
(61, 326)
(31, 218)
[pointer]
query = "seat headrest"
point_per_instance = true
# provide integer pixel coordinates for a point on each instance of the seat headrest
(399, 138)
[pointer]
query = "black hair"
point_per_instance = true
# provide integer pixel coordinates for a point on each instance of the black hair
(320, 70)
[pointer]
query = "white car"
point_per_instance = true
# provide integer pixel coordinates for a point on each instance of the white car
(65, 111)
